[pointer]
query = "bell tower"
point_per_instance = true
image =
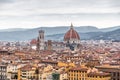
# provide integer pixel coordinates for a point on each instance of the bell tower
(40, 45)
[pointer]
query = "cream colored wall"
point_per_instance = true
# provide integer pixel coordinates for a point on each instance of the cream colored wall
(63, 76)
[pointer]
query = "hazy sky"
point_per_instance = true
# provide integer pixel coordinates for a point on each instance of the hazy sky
(36, 13)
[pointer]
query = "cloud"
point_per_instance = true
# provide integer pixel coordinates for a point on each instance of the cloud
(5, 1)
(29, 7)
(16, 11)
(61, 4)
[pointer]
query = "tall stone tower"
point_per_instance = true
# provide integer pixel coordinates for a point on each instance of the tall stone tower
(40, 40)
(49, 45)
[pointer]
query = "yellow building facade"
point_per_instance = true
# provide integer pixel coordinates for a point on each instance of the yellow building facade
(27, 72)
(81, 73)
(99, 76)
(77, 74)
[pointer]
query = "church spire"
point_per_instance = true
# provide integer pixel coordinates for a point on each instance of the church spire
(71, 26)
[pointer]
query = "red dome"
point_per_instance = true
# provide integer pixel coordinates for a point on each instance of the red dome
(71, 34)
(33, 41)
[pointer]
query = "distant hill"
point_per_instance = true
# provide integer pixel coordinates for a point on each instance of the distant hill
(112, 35)
(54, 30)
(57, 33)
(13, 29)
(110, 29)
(83, 36)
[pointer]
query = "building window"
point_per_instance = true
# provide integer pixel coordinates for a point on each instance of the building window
(118, 74)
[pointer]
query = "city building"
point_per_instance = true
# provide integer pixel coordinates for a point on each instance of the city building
(77, 73)
(54, 45)
(5, 52)
(72, 38)
(98, 76)
(3, 72)
(113, 70)
(40, 41)
(70, 59)
(27, 72)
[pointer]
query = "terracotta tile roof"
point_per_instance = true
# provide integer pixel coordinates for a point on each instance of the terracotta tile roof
(27, 68)
(49, 61)
(102, 74)
(78, 69)
(33, 41)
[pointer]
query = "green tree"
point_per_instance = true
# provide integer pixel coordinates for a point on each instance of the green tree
(56, 76)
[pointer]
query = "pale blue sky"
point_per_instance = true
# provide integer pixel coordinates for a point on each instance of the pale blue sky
(37, 13)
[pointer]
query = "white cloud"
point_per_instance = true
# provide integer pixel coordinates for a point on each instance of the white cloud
(29, 13)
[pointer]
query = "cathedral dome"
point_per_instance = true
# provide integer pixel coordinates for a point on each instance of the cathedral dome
(71, 34)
